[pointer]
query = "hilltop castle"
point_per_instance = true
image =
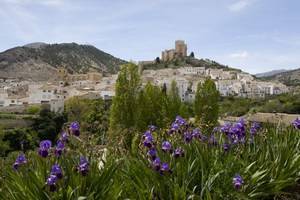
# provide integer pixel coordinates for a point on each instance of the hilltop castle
(180, 51)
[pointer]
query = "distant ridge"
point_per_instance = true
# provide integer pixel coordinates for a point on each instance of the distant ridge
(39, 61)
(270, 73)
(289, 77)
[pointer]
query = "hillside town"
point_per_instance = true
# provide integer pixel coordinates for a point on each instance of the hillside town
(95, 85)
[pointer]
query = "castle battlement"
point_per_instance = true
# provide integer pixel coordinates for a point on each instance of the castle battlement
(180, 51)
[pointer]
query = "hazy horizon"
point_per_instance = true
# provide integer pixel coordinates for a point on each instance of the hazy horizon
(253, 35)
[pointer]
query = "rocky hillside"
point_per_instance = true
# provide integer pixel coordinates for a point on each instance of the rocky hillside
(270, 73)
(191, 61)
(39, 61)
(289, 78)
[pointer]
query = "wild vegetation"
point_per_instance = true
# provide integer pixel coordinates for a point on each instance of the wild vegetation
(284, 103)
(144, 146)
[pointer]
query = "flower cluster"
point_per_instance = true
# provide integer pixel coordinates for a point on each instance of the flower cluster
(21, 159)
(296, 123)
(149, 143)
(178, 128)
(44, 151)
(55, 174)
(235, 133)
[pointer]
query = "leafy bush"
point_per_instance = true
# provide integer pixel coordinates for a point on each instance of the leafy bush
(32, 110)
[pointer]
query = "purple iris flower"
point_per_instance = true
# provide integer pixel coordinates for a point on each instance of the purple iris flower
(165, 168)
(187, 137)
(296, 123)
(148, 141)
(64, 137)
(226, 147)
(174, 127)
(83, 167)
(51, 182)
(156, 164)
(56, 170)
(166, 146)
(59, 148)
(21, 159)
(254, 128)
(74, 128)
(179, 152)
(152, 128)
(45, 145)
(152, 153)
(225, 128)
(237, 132)
(147, 133)
(237, 181)
(180, 121)
(196, 133)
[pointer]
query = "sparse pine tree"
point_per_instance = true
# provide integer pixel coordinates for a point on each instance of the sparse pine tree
(206, 104)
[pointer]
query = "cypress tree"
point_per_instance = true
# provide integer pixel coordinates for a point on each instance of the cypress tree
(123, 111)
(206, 104)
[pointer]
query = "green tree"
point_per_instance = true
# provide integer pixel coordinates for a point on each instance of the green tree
(150, 102)
(33, 110)
(98, 119)
(206, 104)
(76, 109)
(124, 105)
(20, 139)
(172, 103)
(48, 124)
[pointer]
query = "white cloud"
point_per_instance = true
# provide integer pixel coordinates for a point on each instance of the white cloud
(240, 5)
(239, 55)
(40, 2)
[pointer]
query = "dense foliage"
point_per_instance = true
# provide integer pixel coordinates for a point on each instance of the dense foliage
(236, 161)
(206, 103)
(284, 103)
(92, 114)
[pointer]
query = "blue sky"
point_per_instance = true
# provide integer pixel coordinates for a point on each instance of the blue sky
(253, 35)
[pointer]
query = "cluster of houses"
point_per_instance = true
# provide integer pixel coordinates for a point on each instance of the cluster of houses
(22, 93)
(228, 82)
(94, 86)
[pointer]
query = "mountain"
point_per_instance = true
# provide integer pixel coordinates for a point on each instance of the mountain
(289, 78)
(270, 73)
(39, 61)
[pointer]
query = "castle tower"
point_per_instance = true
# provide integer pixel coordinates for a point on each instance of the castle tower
(180, 48)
